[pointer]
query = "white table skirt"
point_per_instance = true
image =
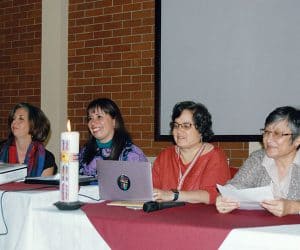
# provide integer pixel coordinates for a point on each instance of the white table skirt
(285, 237)
(35, 223)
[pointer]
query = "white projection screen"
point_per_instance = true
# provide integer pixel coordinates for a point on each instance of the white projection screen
(240, 58)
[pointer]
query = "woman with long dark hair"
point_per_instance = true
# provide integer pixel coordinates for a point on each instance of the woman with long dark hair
(108, 137)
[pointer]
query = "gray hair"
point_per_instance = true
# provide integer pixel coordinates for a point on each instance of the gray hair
(288, 113)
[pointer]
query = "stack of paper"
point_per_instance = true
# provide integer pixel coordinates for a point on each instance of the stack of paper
(249, 198)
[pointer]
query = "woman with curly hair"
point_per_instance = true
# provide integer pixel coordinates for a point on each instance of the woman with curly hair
(190, 170)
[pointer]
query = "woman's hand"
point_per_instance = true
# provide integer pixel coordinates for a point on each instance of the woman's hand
(281, 207)
(162, 195)
(194, 196)
(226, 205)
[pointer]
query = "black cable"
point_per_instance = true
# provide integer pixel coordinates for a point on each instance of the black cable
(1, 203)
(94, 199)
(2, 215)
(28, 189)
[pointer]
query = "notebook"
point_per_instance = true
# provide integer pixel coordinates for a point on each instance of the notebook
(12, 172)
(54, 180)
(124, 180)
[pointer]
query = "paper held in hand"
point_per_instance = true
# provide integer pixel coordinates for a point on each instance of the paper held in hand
(249, 198)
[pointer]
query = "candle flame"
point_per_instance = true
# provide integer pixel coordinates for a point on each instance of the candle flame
(69, 126)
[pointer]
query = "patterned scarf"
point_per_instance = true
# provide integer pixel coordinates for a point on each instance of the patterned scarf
(34, 159)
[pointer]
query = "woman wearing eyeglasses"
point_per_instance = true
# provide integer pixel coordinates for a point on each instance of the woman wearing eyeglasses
(278, 165)
(190, 170)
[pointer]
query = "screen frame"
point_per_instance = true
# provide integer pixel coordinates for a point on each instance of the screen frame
(158, 136)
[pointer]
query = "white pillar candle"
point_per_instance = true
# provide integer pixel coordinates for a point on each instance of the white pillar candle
(69, 165)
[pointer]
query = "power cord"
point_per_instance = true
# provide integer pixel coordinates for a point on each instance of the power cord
(1, 203)
(89, 197)
(28, 189)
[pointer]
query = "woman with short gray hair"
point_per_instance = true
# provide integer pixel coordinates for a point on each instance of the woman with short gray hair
(278, 165)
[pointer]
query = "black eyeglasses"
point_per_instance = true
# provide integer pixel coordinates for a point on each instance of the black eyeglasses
(185, 125)
(275, 134)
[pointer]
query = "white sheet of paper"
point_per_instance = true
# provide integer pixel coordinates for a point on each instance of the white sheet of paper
(249, 198)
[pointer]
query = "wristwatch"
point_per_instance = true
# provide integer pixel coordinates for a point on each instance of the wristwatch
(176, 194)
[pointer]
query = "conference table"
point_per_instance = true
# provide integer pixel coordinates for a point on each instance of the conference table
(33, 222)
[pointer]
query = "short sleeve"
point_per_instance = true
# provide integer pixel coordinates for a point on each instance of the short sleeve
(50, 161)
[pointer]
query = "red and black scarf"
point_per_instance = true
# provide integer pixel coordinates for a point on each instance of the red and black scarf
(35, 156)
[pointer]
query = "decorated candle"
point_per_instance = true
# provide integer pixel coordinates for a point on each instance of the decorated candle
(69, 147)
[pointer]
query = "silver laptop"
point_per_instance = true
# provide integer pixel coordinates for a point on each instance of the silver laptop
(124, 180)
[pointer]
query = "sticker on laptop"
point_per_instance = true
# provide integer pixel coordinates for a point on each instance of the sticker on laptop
(123, 182)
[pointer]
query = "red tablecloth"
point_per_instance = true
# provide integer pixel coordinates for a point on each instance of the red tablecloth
(188, 227)
(19, 186)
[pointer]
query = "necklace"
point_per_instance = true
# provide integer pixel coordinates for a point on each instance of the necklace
(181, 177)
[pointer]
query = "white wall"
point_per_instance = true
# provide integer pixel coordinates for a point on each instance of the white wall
(54, 69)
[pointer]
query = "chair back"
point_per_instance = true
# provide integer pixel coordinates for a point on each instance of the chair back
(233, 171)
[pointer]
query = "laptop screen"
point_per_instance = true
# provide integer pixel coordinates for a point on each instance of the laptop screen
(124, 180)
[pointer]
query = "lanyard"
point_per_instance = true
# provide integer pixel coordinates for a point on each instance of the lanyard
(181, 177)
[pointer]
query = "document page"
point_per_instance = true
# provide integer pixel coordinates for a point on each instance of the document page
(249, 198)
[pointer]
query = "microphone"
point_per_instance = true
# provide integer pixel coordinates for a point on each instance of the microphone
(151, 206)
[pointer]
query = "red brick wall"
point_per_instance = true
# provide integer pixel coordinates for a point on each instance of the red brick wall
(20, 55)
(111, 54)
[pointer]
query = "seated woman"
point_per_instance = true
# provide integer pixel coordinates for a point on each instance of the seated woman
(190, 170)
(28, 129)
(278, 165)
(108, 140)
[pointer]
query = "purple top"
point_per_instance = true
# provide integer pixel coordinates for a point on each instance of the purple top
(129, 153)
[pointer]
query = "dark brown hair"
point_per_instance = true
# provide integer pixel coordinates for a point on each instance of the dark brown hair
(39, 125)
(121, 135)
(201, 117)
